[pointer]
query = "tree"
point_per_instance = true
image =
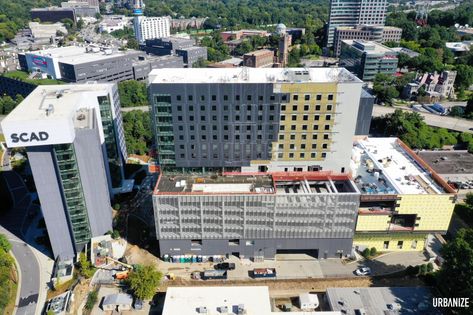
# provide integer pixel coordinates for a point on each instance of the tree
(456, 274)
(4, 243)
(138, 135)
(132, 93)
(366, 253)
(383, 88)
(132, 44)
(85, 267)
(464, 76)
(373, 251)
(469, 200)
(144, 281)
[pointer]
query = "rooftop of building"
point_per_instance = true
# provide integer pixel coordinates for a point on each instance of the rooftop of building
(369, 47)
(53, 102)
(367, 27)
(385, 166)
(381, 301)
(54, 8)
(406, 51)
(260, 52)
(251, 75)
(222, 300)
(449, 162)
(255, 183)
(82, 54)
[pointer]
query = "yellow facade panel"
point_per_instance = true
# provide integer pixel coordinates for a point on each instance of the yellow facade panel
(391, 242)
(372, 223)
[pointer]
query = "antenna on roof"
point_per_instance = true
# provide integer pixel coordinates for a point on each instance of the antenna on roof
(245, 74)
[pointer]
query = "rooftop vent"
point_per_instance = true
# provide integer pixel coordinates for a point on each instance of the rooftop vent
(49, 110)
(241, 309)
(202, 310)
(223, 309)
(80, 117)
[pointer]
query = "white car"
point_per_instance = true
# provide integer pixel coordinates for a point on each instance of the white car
(363, 271)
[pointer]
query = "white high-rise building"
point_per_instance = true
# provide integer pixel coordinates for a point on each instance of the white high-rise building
(151, 27)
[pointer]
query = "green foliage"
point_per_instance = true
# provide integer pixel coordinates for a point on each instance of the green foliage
(469, 200)
(423, 269)
(85, 267)
(201, 63)
(366, 253)
(373, 251)
(91, 300)
(239, 14)
(132, 43)
(138, 135)
(144, 281)
(216, 49)
(116, 206)
(23, 76)
(132, 93)
(6, 281)
(4, 243)
(430, 267)
(411, 128)
(456, 274)
(7, 104)
(125, 33)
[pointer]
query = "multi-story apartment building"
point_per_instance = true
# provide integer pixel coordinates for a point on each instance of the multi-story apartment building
(74, 140)
(352, 13)
(256, 215)
(254, 119)
(380, 34)
(147, 27)
(402, 199)
(366, 59)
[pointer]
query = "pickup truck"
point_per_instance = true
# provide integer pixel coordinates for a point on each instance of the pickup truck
(264, 273)
(225, 266)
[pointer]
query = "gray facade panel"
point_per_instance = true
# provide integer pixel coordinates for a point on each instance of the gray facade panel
(94, 180)
(247, 248)
(365, 113)
(50, 193)
(217, 114)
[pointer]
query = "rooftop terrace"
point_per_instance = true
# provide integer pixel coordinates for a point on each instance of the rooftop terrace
(255, 183)
(386, 166)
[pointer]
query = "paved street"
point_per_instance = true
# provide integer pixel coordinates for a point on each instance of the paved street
(451, 123)
(11, 225)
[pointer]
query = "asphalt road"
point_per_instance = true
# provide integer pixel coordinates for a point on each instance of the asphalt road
(29, 268)
(10, 225)
(451, 123)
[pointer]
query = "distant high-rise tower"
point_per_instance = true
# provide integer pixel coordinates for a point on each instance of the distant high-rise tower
(283, 45)
(138, 7)
(149, 27)
(353, 13)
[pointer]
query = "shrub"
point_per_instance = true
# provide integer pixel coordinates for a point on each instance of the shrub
(91, 300)
(430, 267)
(116, 206)
(373, 251)
(366, 253)
(423, 269)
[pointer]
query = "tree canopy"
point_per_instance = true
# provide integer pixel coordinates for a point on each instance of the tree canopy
(456, 275)
(138, 135)
(6, 275)
(132, 93)
(144, 281)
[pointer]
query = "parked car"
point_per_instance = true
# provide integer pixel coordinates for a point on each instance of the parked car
(225, 266)
(363, 271)
(214, 274)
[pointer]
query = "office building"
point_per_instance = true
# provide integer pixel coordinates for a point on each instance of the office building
(81, 9)
(379, 34)
(256, 216)
(353, 13)
(80, 64)
(191, 55)
(366, 59)
(259, 58)
(167, 46)
(143, 67)
(147, 27)
(402, 198)
(113, 23)
(254, 119)
(53, 14)
(365, 113)
(74, 139)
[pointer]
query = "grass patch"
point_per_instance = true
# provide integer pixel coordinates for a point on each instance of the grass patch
(13, 290)
(23, 76)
